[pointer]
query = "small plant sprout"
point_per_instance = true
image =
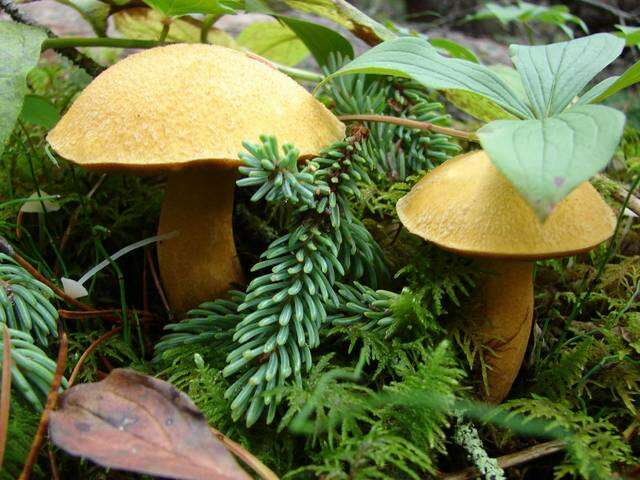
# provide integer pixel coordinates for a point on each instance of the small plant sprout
(468, 207)
(76, 289)
(186, 109)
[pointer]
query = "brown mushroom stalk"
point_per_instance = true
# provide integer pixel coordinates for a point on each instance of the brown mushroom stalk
(468, 207)
(504, 304)
(185, 110)
(201, 262)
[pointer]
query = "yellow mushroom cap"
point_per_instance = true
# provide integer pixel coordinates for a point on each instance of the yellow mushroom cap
(467, 206)
(168, 106)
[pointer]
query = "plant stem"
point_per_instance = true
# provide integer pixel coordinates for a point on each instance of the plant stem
(470, 136)
(65, 42)
(207, 23)
(166, 25)
(6, 390)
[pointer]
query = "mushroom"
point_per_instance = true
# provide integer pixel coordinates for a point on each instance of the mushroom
(468, 207)
(185, 109)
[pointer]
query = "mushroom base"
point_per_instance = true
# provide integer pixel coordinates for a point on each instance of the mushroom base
(504, 308)
(201, 263)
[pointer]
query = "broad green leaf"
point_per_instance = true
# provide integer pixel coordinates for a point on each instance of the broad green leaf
(554, 74)
(274, 41)
(320, 40)
(628, 78)
(338, 11)
(39, 111)
(19, 53)
(93, 11)
(454, 49)
(415, 58)
(512, 78)
(547, 158)
(177, 8)
(142, 23)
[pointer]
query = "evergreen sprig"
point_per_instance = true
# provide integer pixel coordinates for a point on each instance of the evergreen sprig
(286, 306)
(31, 370)
(25, 303)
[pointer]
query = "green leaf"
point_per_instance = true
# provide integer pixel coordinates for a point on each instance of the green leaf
(454, 49)
(19, 54)
(177, 8)
(476, 105)
(554, 74)
(547, 158)
(320, 40)
(39, 111)
(631, 35)
(415, 58)
(93, 11)
(338, 11)
(594, 92)
(142, 23)
(628, 78)
(275, 41)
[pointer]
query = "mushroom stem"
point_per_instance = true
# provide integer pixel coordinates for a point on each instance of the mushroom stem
(201, 263)
(505, 308)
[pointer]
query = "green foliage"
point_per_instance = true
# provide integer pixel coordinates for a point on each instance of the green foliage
(274, 41)
(594, 446)
(31, 370)
(23, 423)
(526, 13)
(19, 54)
(25, 303)
(588, 134)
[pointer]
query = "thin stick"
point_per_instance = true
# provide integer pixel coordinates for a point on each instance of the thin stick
(5, 395)
(621, 193)
(96, 343)
(264, 472)
(513, 459)
(470, 136)
(108, 314)
(52, 400)
(158, 284)
(55, 474)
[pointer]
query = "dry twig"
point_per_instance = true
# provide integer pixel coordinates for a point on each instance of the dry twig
(96, 343)
(5, 394)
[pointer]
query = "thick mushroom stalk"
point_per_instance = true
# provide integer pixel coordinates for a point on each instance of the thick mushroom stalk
(504, 306)
(201, 263)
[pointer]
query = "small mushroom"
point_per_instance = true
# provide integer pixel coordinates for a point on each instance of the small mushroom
(468, 207)
(186, 109)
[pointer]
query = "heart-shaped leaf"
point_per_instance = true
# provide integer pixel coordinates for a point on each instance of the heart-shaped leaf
(415, 58)
(135, 422)
(554, 74)
(628, 78)
(547, 158)
(19, 53)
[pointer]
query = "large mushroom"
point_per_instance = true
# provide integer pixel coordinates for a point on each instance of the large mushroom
(186, 109)
(468, 207)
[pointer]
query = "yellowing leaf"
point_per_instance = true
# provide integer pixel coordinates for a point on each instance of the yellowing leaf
(146, 24)
(274, 41)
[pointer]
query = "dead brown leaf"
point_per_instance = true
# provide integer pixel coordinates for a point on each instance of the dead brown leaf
(134, 422)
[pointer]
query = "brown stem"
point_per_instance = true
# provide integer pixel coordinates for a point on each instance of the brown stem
(264, 472)
(470, 136)
(96, 343)
(5, 394)
(513, 459)
(201, 263)
(6, 248)
(504, 306)
(52, 399)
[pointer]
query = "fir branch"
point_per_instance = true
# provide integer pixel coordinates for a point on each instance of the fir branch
(285, 307)
(25, 303)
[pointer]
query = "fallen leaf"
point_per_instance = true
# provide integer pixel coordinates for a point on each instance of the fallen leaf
(134, 422)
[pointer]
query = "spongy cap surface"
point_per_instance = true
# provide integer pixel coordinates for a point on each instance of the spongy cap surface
(168, 106)
(467, 206)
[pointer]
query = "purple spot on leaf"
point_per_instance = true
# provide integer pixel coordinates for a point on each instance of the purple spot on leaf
(559, 181)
